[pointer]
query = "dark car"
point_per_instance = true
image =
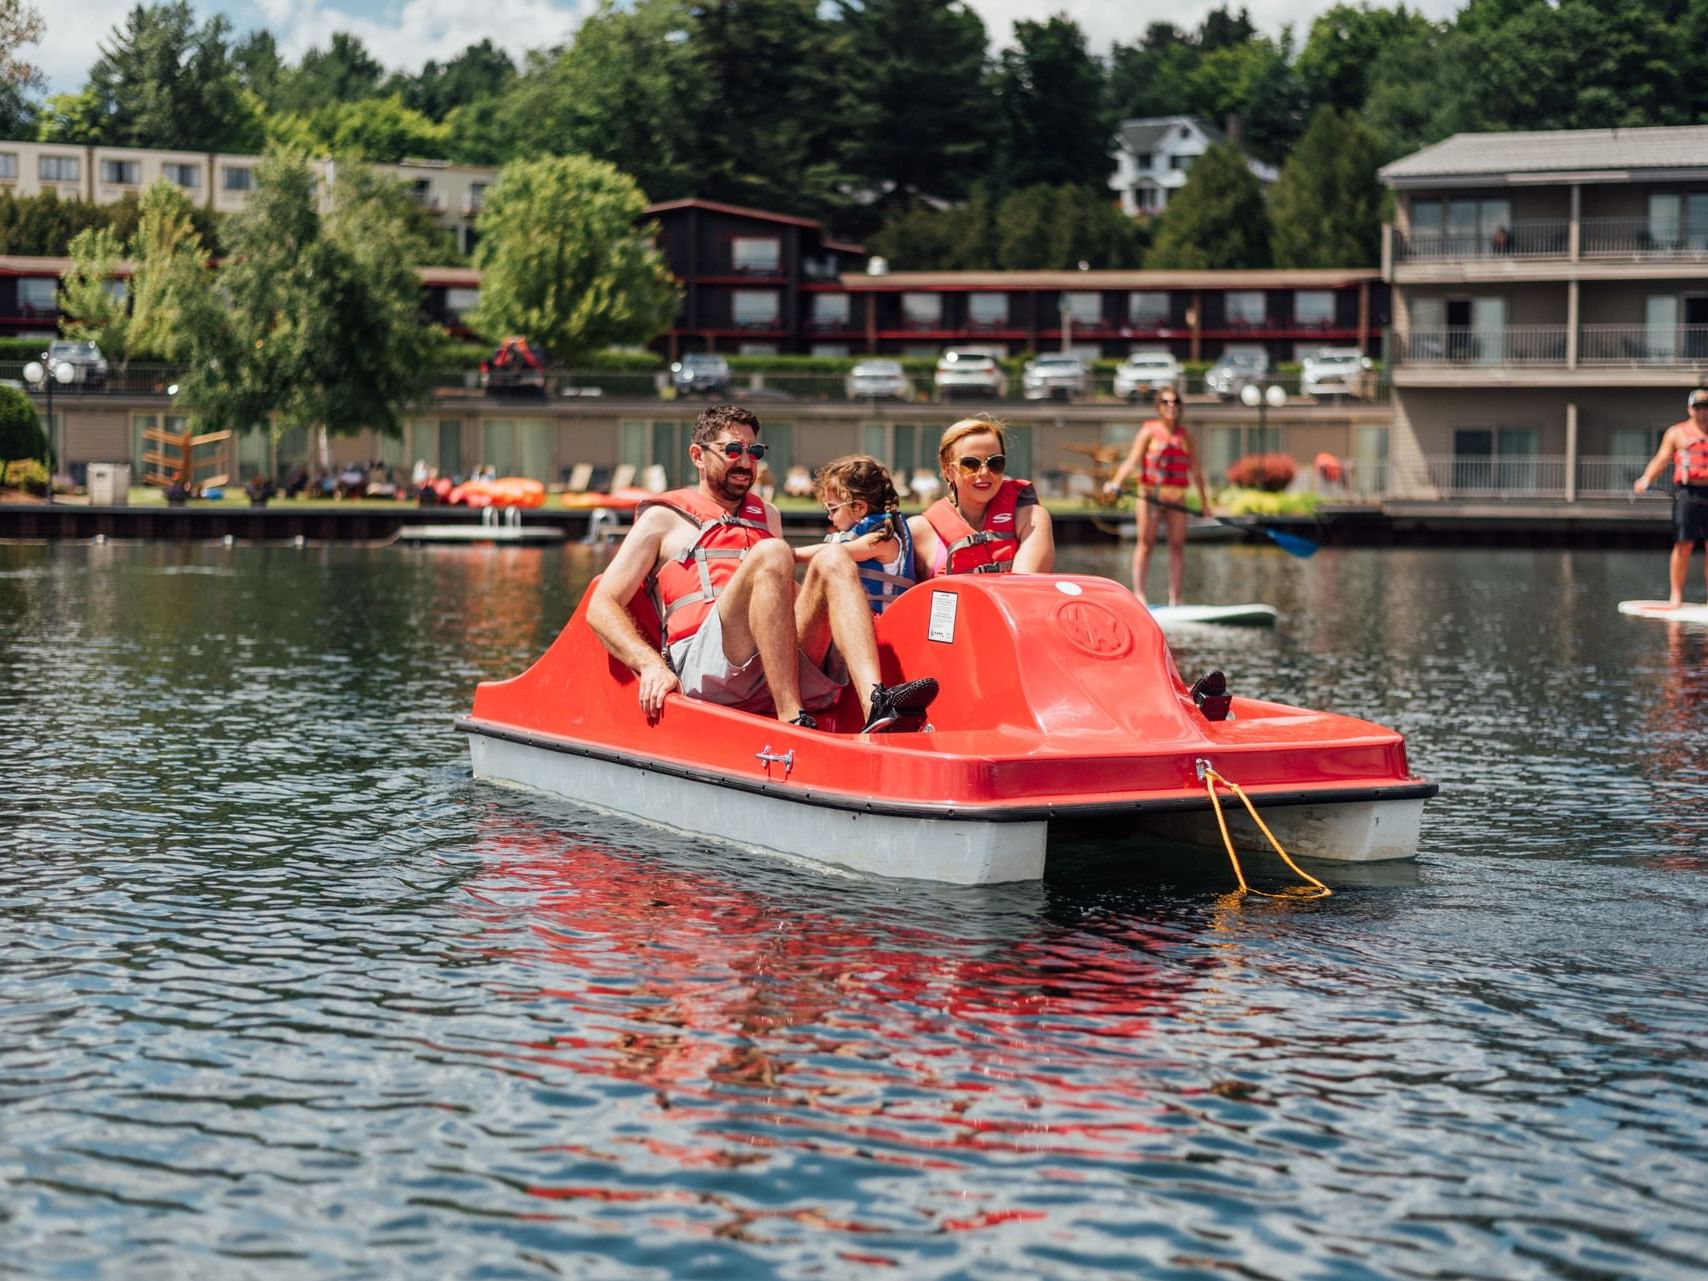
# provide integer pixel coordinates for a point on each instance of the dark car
(700, 374)
(88, 365)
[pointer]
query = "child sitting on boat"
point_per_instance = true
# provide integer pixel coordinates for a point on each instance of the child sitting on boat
(860, 498)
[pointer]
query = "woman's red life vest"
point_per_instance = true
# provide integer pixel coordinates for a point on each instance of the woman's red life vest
(1690, 461)
(987, 550)
(685, 587)
(1169, 467)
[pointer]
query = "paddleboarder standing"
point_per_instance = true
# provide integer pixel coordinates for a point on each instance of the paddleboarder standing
(1685, 445)
(1166, 461)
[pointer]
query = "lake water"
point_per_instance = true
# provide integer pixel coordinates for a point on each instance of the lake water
(284, 993)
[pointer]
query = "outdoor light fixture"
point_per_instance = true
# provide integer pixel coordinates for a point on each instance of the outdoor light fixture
(37, 374)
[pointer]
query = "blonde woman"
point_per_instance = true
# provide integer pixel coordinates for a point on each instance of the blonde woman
(988, 522)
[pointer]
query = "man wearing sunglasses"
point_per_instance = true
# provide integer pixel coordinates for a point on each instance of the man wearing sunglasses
(737, 630)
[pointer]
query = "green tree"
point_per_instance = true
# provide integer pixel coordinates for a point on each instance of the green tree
(1326, 208)
(162, 81)
(904, 62)
(1343, 47)
(343, 72)
(565, 262)
(90, 304)
(21, 434)
(1058, 228)
(1051, 93)
(480, 72)
(376, 129)
(72, 118)
(20, 25)
(919, 236)
(1217, 221)
(44, 224)
(316, 322)
(629, 91)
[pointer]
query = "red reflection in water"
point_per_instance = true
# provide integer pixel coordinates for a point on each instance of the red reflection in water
(859, 1034)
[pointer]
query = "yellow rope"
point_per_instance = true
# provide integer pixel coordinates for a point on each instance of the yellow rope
(1211, 778)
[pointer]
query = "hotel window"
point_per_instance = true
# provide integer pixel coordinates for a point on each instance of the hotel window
(237, 178)
(830, 309)
(126, 173)
(37, 296)
(8, 164)
(922, 311)
(58, 168)
(1148, 308)
(477, 198)
(987, 311)
(1086, 308)
(758, 254)
(1313, 307)
(756, 308)
(460, 301)
(1245, 307)
(184, 175)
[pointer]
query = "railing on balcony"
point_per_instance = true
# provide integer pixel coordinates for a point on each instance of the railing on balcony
(1526, 238)
(1533, 345)
(1638, 238)
(1643, 345)
(1535, 476)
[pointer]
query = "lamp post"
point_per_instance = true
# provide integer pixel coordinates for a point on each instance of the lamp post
(1263, 399)
(43, 374)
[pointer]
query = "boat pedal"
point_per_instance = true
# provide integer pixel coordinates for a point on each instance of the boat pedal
(1210, 692)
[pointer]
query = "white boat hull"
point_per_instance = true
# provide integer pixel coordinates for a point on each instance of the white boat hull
(949, 849)
(956, 851)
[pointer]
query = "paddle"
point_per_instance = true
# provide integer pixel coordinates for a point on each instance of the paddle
(1292, 544)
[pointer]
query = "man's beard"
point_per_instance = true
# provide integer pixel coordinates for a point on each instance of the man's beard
(726, 486)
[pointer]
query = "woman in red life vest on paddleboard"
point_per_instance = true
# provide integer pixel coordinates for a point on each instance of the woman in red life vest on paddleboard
(989, 523)
(1685, 444)
(1167, 462)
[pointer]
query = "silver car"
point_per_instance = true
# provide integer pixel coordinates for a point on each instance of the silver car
(878, 380)
(1334, 371)
(1236, 369)
(1058, 375)
(970, 371)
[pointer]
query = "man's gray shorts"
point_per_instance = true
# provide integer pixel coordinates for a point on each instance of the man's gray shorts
(705, 672)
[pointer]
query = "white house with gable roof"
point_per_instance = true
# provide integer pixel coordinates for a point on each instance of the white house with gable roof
(1153, 155)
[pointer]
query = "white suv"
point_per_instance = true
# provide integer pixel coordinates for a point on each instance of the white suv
(969, 371)
(1334, 371)
(1144, 373)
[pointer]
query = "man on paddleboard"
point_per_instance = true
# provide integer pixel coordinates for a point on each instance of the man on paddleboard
(1685, 445)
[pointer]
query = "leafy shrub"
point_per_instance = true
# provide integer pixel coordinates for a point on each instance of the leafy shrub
(28, 475)
(1269, 472)
(21, 434)
(1258, 502)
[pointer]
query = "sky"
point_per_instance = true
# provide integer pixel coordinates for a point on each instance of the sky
(404, 34)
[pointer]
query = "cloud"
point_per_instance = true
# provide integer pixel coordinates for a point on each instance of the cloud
(405, 37)
(1107, 21)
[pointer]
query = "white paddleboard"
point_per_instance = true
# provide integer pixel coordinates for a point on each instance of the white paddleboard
(1228, 615)
(1685, 613)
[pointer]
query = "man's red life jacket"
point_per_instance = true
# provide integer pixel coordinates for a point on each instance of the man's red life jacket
(685, 588)
(1690, 461)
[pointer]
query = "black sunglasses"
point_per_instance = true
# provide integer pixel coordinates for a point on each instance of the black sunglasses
(971, 465)
(734, 449)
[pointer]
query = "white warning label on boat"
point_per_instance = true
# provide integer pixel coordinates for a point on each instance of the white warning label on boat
(943, 606)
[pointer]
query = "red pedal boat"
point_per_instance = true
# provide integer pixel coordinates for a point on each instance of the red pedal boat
(1059, 704)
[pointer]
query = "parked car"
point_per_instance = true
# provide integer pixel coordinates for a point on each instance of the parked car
(969, 371)
(1055, 375)
(879, 380)
(1144, 373)
(699, 373)
(88, 365)
(516, 368)
(1334, 371)
(1236, 369)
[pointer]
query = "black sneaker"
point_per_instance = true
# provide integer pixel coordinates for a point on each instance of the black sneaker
(1210, 692)
(890, 703)
(804, 721)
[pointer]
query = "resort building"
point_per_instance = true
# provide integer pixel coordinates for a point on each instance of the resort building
(1550, 295)
(221, 183)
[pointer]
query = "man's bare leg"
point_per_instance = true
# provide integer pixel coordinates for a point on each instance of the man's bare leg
(1679, 567)
(832, 606)
(757, 608)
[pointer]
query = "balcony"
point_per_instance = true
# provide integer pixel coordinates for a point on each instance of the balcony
(1640, 240)
(1669, 348)
(1470, 477)
(1526, 238)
